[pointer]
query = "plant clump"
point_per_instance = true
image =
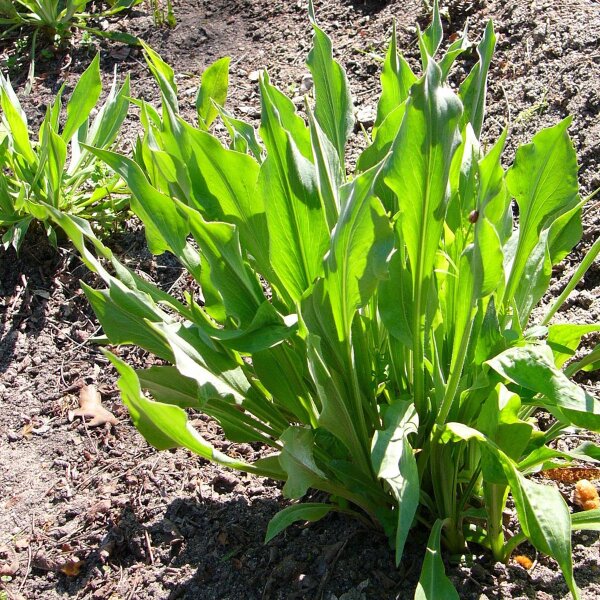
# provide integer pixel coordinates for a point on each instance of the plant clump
(373, 329)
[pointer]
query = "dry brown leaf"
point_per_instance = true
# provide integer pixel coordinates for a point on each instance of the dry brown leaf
(90, 405)
(9, 563)
(72, 567)
(524, 561)
(586, 495)
(572, 474)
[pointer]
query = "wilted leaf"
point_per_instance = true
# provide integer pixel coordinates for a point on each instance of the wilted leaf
(90, 405)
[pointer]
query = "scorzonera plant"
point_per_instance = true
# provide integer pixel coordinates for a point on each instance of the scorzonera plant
(55, 169)
(374, 329)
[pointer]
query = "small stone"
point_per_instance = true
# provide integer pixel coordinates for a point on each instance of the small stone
(366, 116)
(224, 482)
(254, 76)
(13, 436)
(306, 84)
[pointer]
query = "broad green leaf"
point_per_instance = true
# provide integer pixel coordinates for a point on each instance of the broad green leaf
(213, 90)
(433, 583)
(167, 385)
(287, 184)
(588, 520)
(237, 284)
(16, 121)
(360, 246)
(195, 356)
(329, 171)
(532, 367)
(395, 300)
(164, 75)
(383, 139)
(166, 229)
(338, 415)
(429, 134)
(298, 462)
(224, 189)
(333, 106)
(309, 511)
(83, 99)
(166, 426)
(124, 315)
(243, 135)
(431, 38)
(394, 461)
(284, 372)
(267, 329)
(110, 117)
(396, 80)
(473, 89)
(564, 339)
(545, 520)
(543, 180)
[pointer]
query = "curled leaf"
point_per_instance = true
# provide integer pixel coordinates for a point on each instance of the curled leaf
(90, 405)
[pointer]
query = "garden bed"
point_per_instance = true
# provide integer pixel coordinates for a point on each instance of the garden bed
(95, 512)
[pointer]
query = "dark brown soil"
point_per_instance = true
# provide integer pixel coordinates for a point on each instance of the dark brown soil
(95, 512)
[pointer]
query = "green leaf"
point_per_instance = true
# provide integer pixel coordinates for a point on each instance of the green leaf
(360, 246)
(167, 385)
(165, 426)
(329, 171)
(333, 107)
(297, 461)
(83, 99)
(164, 75)
(237, 284)
(166, 229)
(310, 511)
(287, 184)
(16, 122)
(545, 520)
(431, 38)
(433, 583)
(396, 80)
(473, 89)
(543, 180)
(564, 339)
(429, 133)
(394, 461)
(213, 90)
(532, 367)
(588, 520)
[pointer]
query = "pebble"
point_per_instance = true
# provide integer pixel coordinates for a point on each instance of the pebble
(13, 436)
(224, 482)
(366, 116)
(254, 76)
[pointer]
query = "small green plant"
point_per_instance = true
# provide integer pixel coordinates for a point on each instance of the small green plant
(55, 169)
(162, 12)
(55, 17)
(374, 330)
(54, 20)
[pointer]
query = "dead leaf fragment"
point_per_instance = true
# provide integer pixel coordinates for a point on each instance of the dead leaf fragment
(72, 567)
(9, 563)
(90, 405)
(586, 495)
(572, 474)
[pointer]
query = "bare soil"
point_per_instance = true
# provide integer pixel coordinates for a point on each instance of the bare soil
(97, 513)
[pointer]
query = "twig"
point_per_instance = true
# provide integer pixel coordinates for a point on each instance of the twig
(149, 546)
(29, 555)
